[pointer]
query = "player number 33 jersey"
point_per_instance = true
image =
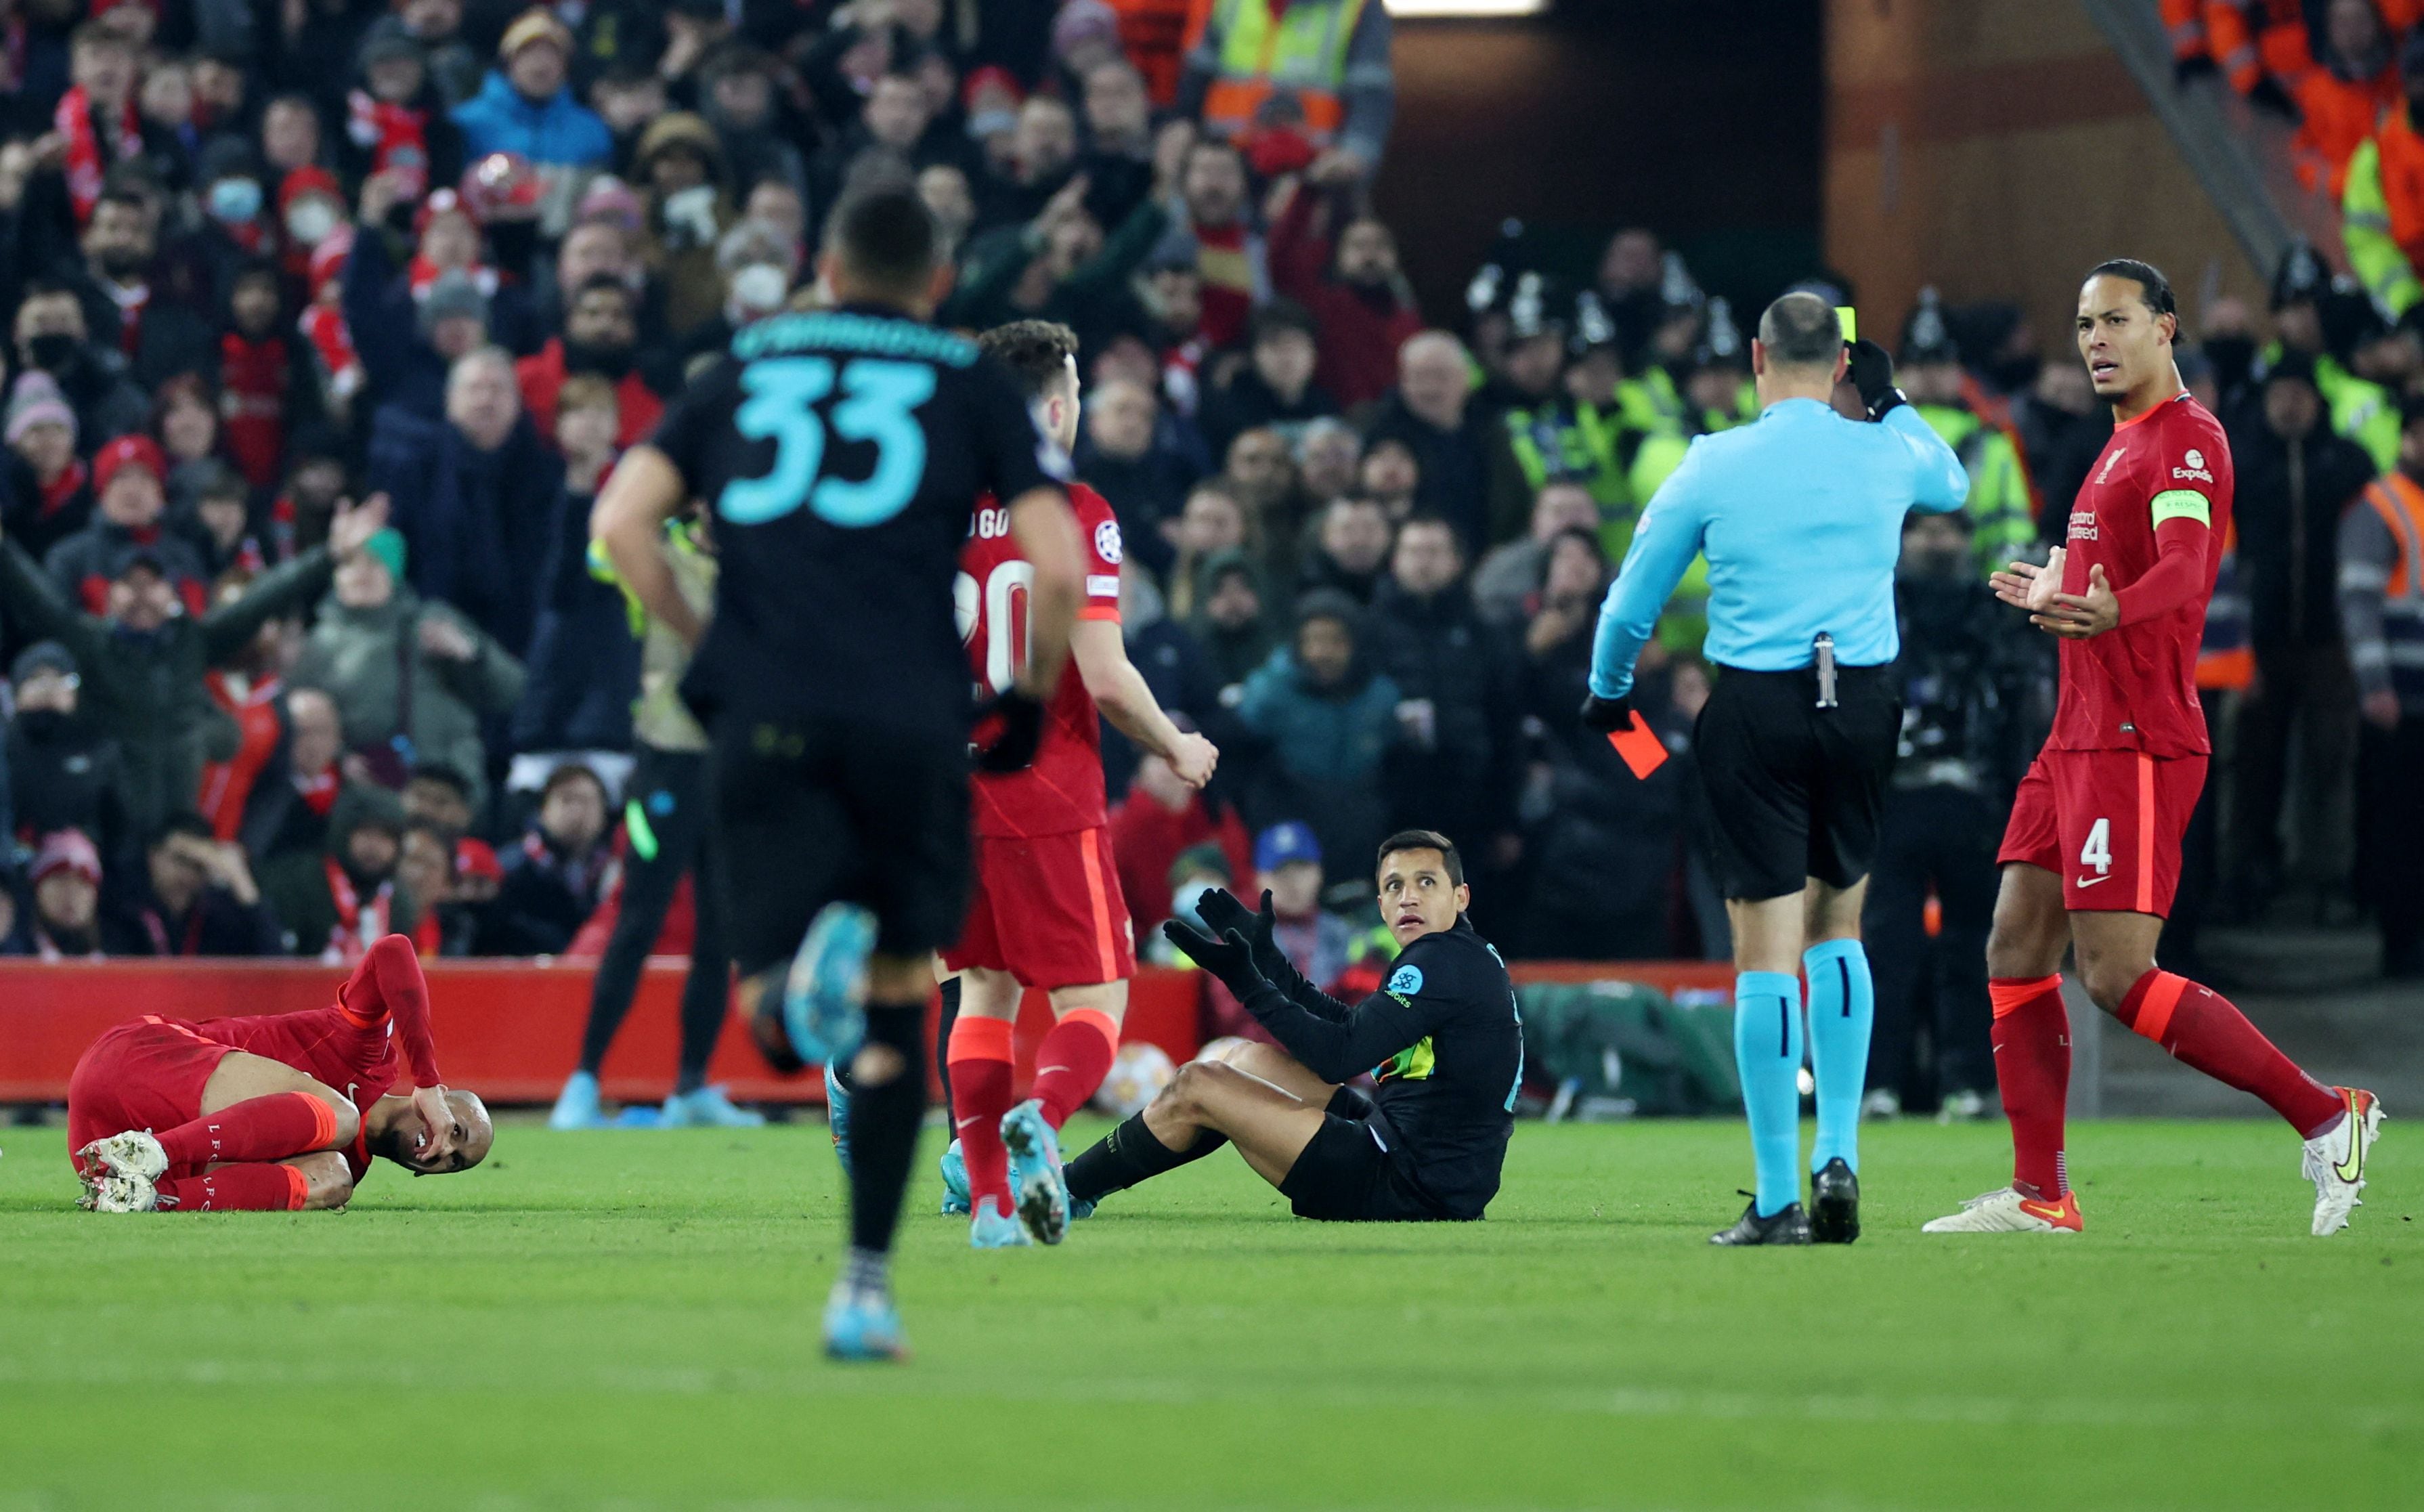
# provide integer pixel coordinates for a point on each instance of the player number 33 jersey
(1062, 790)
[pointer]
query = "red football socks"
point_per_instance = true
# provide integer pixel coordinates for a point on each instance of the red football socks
(980, 1075)
(1073, 1062)
(258, 1128)
(245, 1188)
(2032, 1036)
(2203, 1029)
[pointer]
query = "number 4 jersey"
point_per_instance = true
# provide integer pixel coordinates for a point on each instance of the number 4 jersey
(1062, 792)
(840, 456)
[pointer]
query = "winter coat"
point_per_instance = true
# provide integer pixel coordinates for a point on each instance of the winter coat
(63, 776)
(146, 691)
(1437, 648)
(559, 130)
(384, 319)
(2288, 536)
(585, 662)
(362, 657)
(477, 522)
(545, 898)
(1330, 736)
(1467, 474)
(83, 564)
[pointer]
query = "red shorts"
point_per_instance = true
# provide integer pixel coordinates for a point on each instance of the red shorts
(147, 1074)
(1048, 911)
(2109, 822)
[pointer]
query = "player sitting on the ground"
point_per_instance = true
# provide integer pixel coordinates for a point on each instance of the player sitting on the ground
(245, 1113)
(1045, 910)
(1442, 1039)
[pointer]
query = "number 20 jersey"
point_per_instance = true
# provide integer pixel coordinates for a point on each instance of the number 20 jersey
(1062, 792)
(840, 456)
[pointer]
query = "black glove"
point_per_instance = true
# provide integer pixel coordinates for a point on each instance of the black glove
(1872, 372)
(1223, 911)
(1607, 715)
(1229, 957)
(1018, 729)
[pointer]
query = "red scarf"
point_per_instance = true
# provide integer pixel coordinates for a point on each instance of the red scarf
(358, 924)
(422, 273)
(1226, 258)
(131, 305)
(85, 165)
(320, 792)
(226, 784)
(57, 492)
(252, 403)
(324, 326)
(396, 137)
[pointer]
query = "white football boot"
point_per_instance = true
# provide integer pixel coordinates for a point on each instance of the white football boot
(2008, 1212)
(2335, 1162)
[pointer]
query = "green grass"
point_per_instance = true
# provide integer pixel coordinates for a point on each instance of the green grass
(630, 1320)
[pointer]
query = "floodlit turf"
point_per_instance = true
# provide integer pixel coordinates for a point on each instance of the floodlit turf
(630, 1319)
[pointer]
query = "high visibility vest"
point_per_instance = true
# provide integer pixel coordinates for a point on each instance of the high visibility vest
(2382, 211)
(2003, 512)
(2227, 654)
(1303, 51)
(2400, 500)
(1553, 443)
(2362, 411)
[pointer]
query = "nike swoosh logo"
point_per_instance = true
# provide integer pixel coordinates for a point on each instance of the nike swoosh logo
(2088, 882)
(2353, 1166)
(1043, 1069)
(964, 1123)
(2040, 1210)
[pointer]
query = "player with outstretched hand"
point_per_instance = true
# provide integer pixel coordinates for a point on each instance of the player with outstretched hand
(1046, 910)
(2092, 854)
(843, 452)
(1442, 1039)
(247, 1113)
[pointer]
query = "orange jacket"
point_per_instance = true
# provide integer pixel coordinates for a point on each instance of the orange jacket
(2253, 39)
(2341, 115)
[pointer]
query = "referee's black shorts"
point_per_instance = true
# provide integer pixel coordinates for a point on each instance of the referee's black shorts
(811, 811)
(1795, 789)
(1354, 1170)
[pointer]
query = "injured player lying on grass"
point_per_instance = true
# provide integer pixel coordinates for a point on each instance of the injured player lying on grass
(1441, 1041)
(246, 1113)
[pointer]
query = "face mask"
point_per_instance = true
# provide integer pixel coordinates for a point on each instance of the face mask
(759, 288)
(235, 200)
(52, 352)
(604, 361)
(44, 726)
(310, 221)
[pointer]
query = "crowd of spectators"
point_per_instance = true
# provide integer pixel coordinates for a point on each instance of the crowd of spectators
(327, 319)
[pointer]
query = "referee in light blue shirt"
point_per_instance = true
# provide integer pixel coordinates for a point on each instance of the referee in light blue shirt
(1800, 517)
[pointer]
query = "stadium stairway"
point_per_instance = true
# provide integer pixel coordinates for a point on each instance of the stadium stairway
(2240, 155)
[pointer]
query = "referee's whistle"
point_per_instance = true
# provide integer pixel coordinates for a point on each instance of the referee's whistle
(1640, 746)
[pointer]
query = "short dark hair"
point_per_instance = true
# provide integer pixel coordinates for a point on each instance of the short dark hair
(572, 772)
(1433, 520)
(2153, 287)
(1281, 315)
(1801, 330)
(122, 195)
(1037, 352)
(884, 235)
(1424, 840)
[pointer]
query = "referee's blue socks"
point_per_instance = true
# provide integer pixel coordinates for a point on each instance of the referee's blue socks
(1768, 1053)
(1843, 1008)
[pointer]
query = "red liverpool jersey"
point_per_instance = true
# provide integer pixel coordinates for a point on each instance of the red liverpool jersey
(1063, 791)
(2134, 688)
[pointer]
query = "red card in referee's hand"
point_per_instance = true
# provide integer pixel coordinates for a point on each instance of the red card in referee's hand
(1640, 746)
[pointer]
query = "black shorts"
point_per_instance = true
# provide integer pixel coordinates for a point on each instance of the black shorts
(1795, 789)
(1355, 1171)
(809, 811)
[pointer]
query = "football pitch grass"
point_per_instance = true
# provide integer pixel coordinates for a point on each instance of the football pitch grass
(630, 1320)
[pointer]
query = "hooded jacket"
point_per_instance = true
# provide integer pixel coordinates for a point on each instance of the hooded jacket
(362, 657)
(297, 888)
(557, 130)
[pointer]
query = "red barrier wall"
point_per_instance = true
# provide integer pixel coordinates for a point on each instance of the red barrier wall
(511, 1031)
